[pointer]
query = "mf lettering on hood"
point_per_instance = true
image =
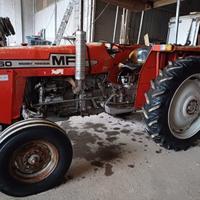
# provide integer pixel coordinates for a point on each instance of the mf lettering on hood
(63, 60)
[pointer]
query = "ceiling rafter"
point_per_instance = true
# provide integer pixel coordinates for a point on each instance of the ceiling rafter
(139, 5)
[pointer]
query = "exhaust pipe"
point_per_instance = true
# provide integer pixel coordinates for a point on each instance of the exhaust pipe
(80, 52)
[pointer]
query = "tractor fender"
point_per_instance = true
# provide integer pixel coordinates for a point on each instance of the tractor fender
(15, 128)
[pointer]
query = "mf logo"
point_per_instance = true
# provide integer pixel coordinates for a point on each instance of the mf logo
(63, 60)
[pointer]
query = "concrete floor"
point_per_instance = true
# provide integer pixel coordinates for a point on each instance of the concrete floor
(115, 160)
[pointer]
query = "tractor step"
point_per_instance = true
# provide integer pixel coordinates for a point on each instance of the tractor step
(119, 109)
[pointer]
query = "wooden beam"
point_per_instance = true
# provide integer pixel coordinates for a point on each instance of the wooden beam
(159, 3)
(139, 5)
(134, 5)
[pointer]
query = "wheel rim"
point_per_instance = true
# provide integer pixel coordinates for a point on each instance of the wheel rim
(184, 109)
(34, 161)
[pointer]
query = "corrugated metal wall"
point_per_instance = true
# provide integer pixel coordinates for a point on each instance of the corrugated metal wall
(104, 25)
(155, 21)
(155, 24)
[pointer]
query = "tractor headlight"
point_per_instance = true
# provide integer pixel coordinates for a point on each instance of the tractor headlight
(139, 56)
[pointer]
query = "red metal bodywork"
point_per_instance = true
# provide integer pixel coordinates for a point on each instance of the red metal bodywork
(12, 89)
(158, 59)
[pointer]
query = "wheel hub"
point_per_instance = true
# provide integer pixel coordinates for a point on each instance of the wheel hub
(184, 109)
(192, 107)
(34, 161)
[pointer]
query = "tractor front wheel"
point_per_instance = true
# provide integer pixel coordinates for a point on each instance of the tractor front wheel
(172, 109)
(34, 157)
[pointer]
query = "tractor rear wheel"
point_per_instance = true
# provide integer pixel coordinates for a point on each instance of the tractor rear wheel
(172, 109)
(34, 157)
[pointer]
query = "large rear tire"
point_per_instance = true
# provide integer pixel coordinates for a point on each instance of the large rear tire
(172, 109)
(34, 157)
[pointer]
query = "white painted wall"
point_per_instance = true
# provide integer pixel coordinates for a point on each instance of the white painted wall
(32, 23)
(45, 19)
(12, 9)
(28, 18)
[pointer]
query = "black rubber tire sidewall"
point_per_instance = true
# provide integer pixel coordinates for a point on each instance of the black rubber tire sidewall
(173, 86)
(185, 68)
(11, 186)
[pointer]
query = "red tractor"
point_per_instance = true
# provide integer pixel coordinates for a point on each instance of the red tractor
(37, 83)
